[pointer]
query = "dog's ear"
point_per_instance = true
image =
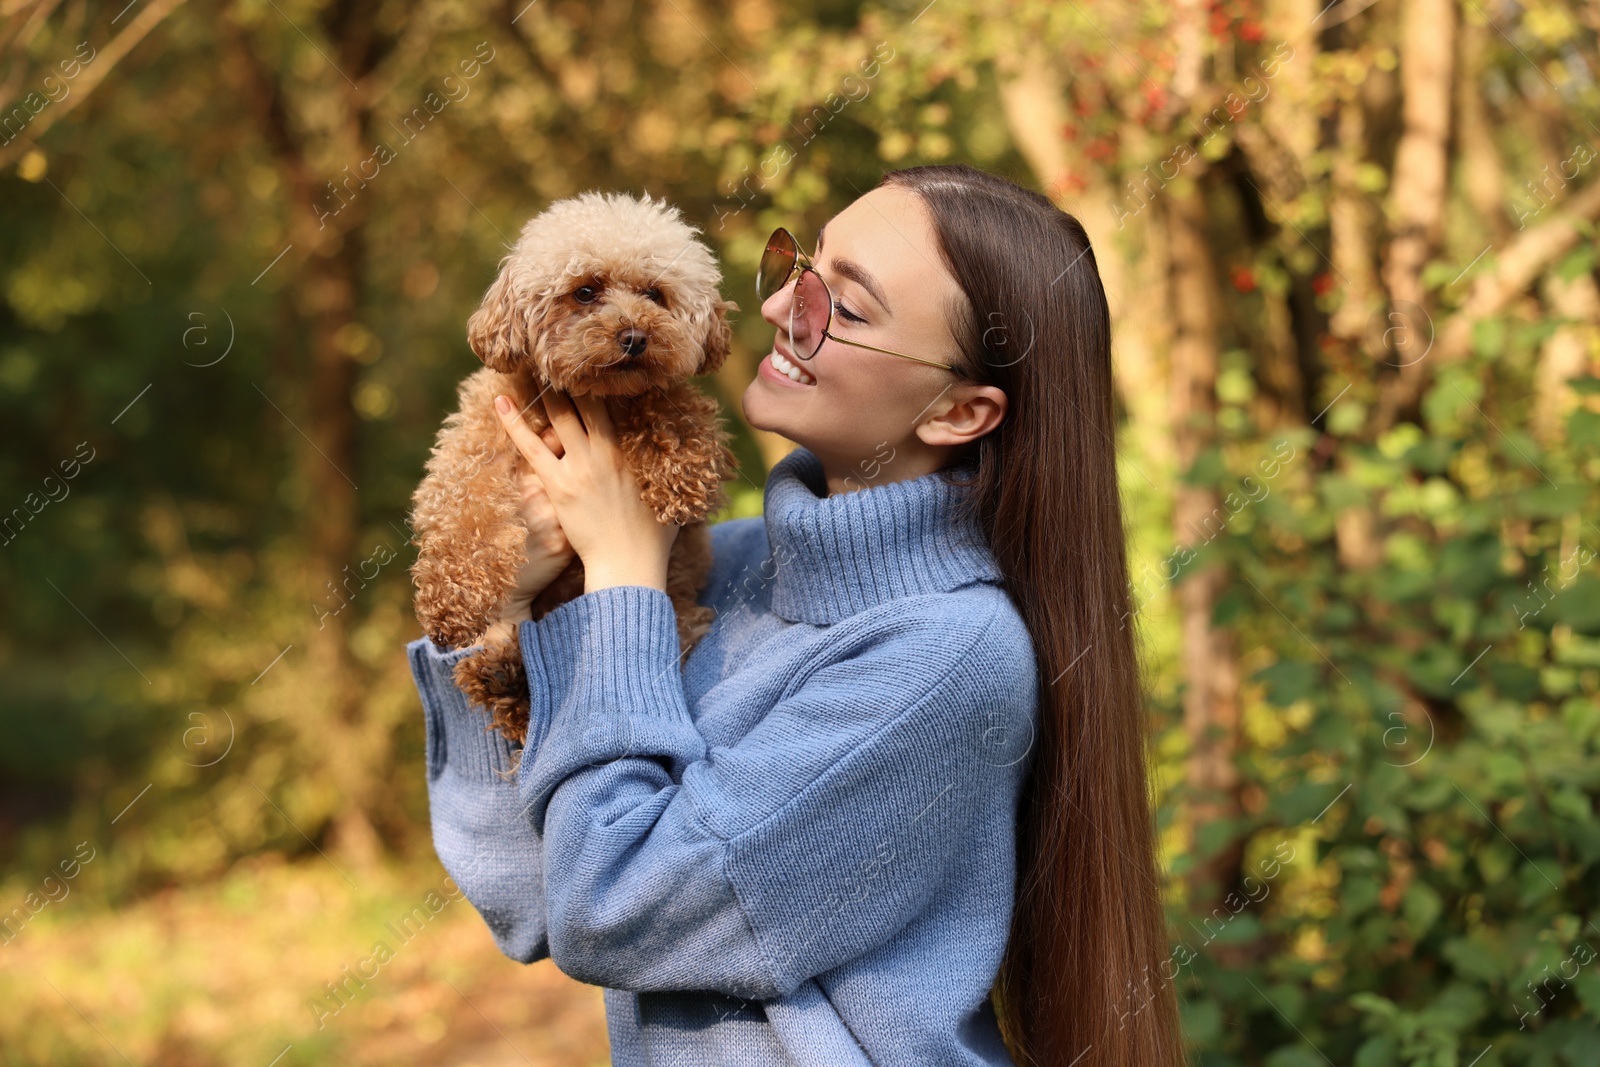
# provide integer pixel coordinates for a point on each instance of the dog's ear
(719, 336)
(498, 330)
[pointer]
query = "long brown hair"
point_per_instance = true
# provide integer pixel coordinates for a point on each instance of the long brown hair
(1082, 980)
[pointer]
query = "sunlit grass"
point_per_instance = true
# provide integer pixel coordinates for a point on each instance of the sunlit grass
(229, 973)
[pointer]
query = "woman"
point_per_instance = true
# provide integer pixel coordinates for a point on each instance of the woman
(915, 727)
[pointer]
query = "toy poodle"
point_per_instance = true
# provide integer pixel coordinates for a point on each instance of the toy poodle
(605, 294)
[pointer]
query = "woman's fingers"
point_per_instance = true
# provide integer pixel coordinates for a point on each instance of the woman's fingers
(533, 449)
(552, 441)
(596, 416)
(564, 419)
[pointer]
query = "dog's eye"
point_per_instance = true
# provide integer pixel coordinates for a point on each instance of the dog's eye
(586, 294)
(655, 294)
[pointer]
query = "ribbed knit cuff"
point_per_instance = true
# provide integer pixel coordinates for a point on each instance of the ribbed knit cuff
(604, 673)
(616, 646)
(458, 736)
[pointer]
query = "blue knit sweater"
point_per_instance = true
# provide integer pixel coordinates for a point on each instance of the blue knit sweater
(797, 849)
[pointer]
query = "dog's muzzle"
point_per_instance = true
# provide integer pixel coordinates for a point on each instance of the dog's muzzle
(633, 341)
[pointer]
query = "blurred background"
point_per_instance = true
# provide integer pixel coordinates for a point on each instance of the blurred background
(1351, 257)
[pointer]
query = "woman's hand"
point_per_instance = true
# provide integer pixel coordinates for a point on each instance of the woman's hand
(594, 494)
(546, 551)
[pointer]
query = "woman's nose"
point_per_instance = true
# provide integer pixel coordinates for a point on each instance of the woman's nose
(775, 308)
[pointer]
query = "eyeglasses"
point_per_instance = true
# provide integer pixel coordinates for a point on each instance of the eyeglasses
(811, 312)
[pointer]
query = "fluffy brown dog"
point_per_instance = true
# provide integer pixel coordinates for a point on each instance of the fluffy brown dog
(605, 294)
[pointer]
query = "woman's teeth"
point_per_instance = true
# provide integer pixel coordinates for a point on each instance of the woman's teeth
(794, 373)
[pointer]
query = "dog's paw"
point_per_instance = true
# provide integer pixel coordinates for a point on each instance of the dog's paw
(496, 681)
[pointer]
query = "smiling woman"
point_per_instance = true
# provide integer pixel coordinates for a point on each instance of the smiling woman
(831, 339)
(892, 810)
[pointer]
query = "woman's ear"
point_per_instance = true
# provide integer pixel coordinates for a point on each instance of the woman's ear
(964, 414)
(498, 330)
(719, 337)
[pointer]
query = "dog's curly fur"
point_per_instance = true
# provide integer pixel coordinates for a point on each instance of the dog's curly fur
(605, 294)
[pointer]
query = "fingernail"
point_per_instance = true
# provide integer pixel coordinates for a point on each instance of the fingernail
(502, 405)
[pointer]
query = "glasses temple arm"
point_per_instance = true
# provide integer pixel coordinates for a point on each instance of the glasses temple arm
(885, 351)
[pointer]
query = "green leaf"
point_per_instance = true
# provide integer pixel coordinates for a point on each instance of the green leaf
(1288, 1000)
(1208, 468)
(1494, 862)
(1377, 1051)
(1373, 1004)
(1550, 501)
(1579, 652)
(1339, 492)
(1578, 605)
(1489, 337)
(1587, 986)
(1471, 565)
(1202, 1021)
(1581, 719)
(1504, 769)
(1303, 802)
(1580, 261)
(1430, 795)
(1287, 681)
(1513, 680)
(1421, 906)
(1477, 956)
(1582, 1046)
(1211, 837)
(1339, 616)
(1572, 804)
(1434, 669)
(1583, 428)
(1432, 456)
(1241, 929)
(1295, 1056)
(1234, 603)
(1585, 838)
(1539, 878)
(1359, 893)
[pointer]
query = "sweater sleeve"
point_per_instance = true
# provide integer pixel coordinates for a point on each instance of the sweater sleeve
(748, 868)
(481, 831)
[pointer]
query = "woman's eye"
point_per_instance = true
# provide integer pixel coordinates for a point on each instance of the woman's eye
(655, 294)
(845, 313)
(586, 294)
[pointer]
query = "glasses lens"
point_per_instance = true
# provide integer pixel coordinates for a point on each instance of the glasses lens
(776, 263)
(808, 314)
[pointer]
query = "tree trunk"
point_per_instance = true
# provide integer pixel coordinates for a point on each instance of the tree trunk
(1211, 690)
(1419, 185)
(1033, 97)
(1483, 176)
(1352, 228)
(1566, 353)
(330, 303)
(327, 258)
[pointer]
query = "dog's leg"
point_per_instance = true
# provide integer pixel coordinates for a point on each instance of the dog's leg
(470, 535)
(494, 678)
(675, 443)
(687, 569)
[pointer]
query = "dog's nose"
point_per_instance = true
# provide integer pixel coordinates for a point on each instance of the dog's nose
(633, 340)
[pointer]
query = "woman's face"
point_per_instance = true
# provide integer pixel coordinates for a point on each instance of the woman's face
(890, 289)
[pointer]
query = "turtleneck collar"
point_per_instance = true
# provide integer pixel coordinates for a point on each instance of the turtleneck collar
(835, 556)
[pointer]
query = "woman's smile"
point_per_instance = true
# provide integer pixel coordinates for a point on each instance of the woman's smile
(785, 371)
